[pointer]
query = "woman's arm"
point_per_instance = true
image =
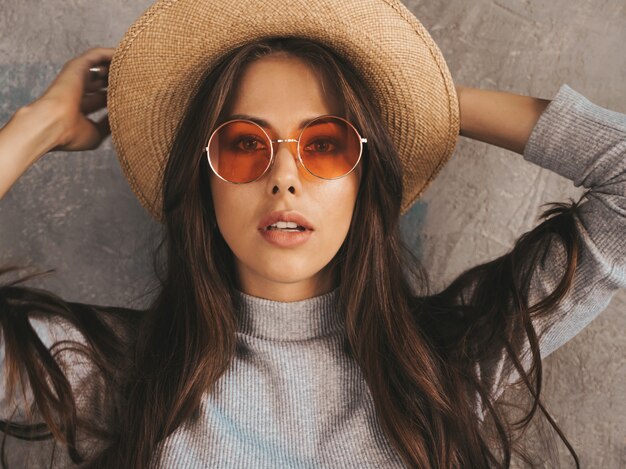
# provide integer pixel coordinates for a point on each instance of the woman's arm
(585, 143)
(57, 120)
(498, 118)
(28, 135)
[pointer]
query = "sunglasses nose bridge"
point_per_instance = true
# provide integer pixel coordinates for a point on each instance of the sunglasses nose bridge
(292, 143)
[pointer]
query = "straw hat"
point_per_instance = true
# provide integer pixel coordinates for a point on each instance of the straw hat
(159, 63)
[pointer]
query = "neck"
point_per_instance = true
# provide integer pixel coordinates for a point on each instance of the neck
(256, 285)
(306, 319)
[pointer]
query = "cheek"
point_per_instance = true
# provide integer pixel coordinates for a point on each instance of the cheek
(230, 208)
(338, 207)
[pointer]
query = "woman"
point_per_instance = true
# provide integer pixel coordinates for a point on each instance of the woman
(329, 351)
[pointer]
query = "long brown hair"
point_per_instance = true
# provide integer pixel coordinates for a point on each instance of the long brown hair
(418, 351)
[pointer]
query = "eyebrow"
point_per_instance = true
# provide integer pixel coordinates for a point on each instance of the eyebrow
(264, 123)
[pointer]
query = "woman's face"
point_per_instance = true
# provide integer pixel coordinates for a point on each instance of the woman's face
(284, 91)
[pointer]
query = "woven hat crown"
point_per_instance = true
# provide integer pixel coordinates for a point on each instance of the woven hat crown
(158, 66)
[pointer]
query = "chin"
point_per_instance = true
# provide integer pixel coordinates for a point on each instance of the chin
(286, 274)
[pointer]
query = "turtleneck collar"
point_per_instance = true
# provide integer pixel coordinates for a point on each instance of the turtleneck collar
(294, 320)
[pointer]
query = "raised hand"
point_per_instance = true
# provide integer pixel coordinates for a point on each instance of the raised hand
(75, 93)
(58, 119)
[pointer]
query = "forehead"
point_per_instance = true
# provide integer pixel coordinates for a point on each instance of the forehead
(281, 87)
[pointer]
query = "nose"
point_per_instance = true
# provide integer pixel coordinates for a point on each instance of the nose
(284, 173)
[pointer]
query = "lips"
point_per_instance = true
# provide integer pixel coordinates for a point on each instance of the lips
(284, 215)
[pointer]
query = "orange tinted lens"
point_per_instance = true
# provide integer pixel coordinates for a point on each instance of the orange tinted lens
(239, 151)
(330, 147)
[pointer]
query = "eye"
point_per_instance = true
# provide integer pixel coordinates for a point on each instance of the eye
(249, 143)
(321, 145)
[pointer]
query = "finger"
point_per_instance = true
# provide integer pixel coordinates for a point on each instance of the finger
(101, 130)
(103, 126)
(96, 62)
(75, 72)
(91, 57)
(98, 76)
(93, 101)
(90, 135)
(98, 54)
(97, 79)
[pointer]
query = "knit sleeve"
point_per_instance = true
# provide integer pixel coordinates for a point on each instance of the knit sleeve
(585, 143)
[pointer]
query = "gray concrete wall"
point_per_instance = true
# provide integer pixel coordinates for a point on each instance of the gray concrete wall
(75, 212)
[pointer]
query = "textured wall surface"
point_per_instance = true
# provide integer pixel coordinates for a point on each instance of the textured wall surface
(75, 212)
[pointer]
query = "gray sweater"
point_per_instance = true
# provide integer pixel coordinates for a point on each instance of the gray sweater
(294, 398)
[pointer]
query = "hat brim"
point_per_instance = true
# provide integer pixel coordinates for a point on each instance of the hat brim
(159, 64)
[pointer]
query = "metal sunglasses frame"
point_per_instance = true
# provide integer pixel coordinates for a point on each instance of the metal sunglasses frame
(271, 163)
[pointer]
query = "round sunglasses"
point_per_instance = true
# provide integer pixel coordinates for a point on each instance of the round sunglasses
(241, 151)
